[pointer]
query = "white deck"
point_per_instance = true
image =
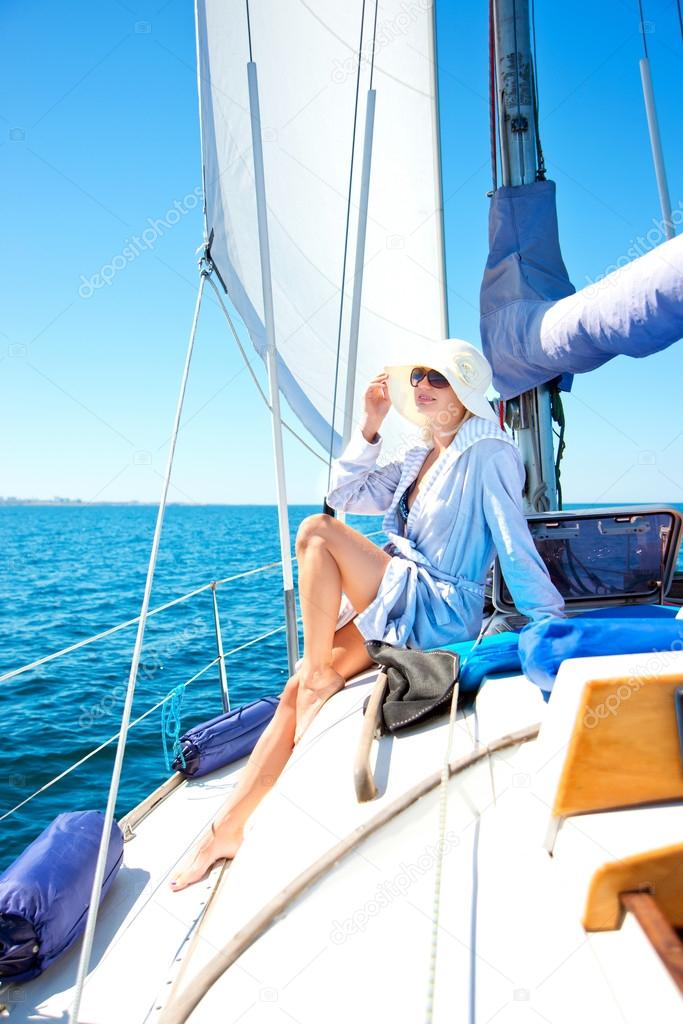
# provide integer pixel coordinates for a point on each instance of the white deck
(356, 946)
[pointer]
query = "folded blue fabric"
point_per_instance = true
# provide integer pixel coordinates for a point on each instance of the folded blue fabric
(545, 644)
(224, 739)
(45, 893)
(495, 654)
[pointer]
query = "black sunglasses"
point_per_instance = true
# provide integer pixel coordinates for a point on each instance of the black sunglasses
(436, 379)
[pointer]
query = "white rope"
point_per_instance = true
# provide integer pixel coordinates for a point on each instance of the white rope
(88, 937)
(443, 809)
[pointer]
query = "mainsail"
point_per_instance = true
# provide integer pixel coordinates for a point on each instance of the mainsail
(314, 71)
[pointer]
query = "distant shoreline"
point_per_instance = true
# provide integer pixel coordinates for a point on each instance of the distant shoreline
(77, 503)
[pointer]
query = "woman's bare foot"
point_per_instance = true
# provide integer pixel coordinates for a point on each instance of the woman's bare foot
(313, 690)
(216, 844)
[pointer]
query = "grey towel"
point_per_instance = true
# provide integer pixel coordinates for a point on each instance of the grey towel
(420, 683)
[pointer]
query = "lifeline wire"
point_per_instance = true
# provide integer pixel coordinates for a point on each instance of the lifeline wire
(642, 27)
(107, 743)
(86, 949)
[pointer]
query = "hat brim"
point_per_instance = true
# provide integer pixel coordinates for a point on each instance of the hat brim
(402, 393)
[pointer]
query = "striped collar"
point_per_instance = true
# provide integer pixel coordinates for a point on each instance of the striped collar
(475, 429)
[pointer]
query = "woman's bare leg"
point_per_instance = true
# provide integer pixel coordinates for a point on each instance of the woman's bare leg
(332, 557)
(265, 764)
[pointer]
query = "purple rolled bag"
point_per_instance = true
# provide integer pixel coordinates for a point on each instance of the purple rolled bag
(224, 739)
(45, 893)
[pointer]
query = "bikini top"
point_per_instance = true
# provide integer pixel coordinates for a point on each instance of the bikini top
(402, 507)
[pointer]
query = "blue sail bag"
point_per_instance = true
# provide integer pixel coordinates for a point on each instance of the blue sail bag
(45, 893)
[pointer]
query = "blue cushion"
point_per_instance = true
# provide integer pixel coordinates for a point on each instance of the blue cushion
(545, 644)
(495, 654)
(540, 654)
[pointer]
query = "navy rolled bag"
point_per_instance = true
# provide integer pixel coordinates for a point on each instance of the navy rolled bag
(45, 893)
(224, 739)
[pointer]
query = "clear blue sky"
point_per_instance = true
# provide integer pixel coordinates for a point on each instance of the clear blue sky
(99, 134)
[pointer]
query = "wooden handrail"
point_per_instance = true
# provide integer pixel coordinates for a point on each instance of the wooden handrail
(658, 930)
(363, 778)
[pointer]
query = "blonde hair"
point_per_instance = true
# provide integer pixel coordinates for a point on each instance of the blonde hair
(427, 431)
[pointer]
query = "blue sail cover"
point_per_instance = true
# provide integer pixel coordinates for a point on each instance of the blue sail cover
(45, 893)
(535, 327)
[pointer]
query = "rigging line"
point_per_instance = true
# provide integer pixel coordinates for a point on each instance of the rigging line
(642, 27)
(374, 39)
(132, 622)
(255, 378)
(540, 160)
(680, 17)
(345, 256)
(89, 934)
(251, 57)
(492, 99)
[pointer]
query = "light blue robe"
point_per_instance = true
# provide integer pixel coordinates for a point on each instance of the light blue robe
(432, 591)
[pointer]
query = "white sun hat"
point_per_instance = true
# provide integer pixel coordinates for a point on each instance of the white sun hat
(467, 371)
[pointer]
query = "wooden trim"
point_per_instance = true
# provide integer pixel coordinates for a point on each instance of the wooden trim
(658, 871)
(363, 778)
(129, 821)
(624, 749)
(658, 930)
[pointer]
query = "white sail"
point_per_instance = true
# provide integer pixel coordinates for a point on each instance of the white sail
(307, 55)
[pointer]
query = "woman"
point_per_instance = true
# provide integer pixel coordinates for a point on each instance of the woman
(447, 504)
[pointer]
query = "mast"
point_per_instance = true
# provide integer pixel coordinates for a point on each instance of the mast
(519, 148)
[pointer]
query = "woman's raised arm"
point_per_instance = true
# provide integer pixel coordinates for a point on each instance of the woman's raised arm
(356, 485)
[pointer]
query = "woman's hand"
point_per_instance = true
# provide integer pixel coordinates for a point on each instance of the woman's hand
(377, 405)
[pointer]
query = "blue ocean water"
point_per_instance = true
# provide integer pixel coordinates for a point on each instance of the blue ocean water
(69, 572)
